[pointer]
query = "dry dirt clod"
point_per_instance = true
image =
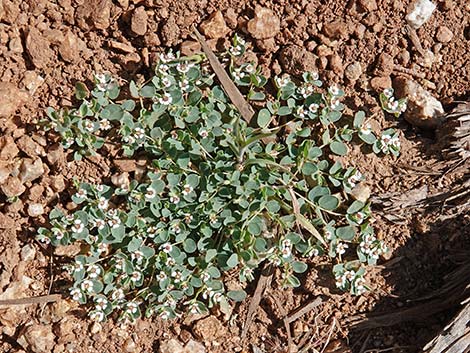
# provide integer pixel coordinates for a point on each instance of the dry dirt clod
(6, 222)
(384, 65)
(4, 171)
(190, 47)
(423, 110)
(194, 347)
(215, 27)
(69, 49)
(421, 12)
(296, 60)
(336, 29)
(171, 346)
(380, 83)
(31, 170)
(8, 148)
(32, 81)
(265, 24)
(13, 187)
(38, 49)
(366, 5)
(38, 338)
(67, 250)
(209, 329)
(94, 12)
(11, 98)
(139, 21)
(336, 64)
(444, 34)
(27, 145)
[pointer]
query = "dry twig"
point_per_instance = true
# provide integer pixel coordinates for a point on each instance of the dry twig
(32, 300)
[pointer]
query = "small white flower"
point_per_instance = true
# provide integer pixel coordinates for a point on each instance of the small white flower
(177, 275)
(360, 216)
(81, 194)
(89, 125)
(101, 303)
(341, 248)
(118, 294)
(164, 315)
(349, 275)
(340, 282)
(105, 124)
(164, 58)
(97, 315)
(99, 223)
(150, 193)
(193, 308)
(139, 133)
(163, 69)
(217, 297)
(334, 90)
(281, 81)
(355, 178)
(76, 294)
(209, 292)
(238, 74)
(103, 248)
(403, 107)
(388, 92)
(203, 133)
(366, 129)
(136, 276)
(188, 218)
(138, 256)
(176, 228)
(114, 222)
(78, 226)
(250, 68)
(162, 276)
(132, 308)
(87, 286)
(183, 67)
(103, 203)
(205, 276)
(212, 218)
(78, 266)
(184, 85)
(129, 139)
(313, 108)
(175, 199)
(167, 247)
(166, 82)
(314, 75)
(187, 189)
(58, 233)
(328, 235)
(334, 103)
(359, 284)
(392, 104)
(236, 51)
(100, 188)
(165, 99)
(93, 271)
(286, 252)
(100, 78)
(170, 261)
(301, 112)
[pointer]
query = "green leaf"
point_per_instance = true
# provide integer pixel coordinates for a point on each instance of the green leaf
(81, 91)
(133, 89)
(232, 261)
(338, 148)
(282, 111)
(273, 206)
(346, 233)
(299, 267)
(359, 119)
(237, 295)
(148, 91)
(328, 202)
(293, 281)
(264, 118)
(210, 254)
(369, 138)
(355, 207)
(189, 245)
(255, 226)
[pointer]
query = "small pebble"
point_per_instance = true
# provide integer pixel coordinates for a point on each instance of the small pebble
(35, 209)
(444, 34)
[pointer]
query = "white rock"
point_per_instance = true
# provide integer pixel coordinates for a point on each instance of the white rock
(423, 110)
(28, 252)
(35, 209)
(420, 13)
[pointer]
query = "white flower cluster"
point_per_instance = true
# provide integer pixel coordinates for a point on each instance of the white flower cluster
(351, 278)
(371, 247)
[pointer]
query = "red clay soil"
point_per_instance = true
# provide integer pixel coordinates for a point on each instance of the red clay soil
(362, 45)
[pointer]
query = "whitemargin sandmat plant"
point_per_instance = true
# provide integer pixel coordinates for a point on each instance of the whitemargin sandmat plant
(218, 194)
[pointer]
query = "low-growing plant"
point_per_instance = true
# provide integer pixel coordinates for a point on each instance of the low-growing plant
(218, 194)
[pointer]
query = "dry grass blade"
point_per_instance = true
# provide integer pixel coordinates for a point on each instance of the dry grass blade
(300, 219)
(32, 300)
(263, 283)
(303, 310)
(232, 91)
